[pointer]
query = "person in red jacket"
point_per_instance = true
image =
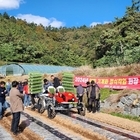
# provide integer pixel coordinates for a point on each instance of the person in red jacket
(26, 95)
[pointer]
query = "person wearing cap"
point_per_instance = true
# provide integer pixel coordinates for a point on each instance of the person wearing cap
(94, 97)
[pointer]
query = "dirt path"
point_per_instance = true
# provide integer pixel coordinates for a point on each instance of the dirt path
(116, 121)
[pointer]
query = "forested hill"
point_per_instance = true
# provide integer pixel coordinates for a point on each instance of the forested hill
(112, 44)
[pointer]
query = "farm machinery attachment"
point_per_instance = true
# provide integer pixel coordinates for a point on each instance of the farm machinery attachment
(59, 101)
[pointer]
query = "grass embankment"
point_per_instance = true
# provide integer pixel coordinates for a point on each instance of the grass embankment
(130, 117)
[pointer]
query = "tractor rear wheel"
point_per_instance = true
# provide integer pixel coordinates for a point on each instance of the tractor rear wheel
(41, 108)
(51, 111)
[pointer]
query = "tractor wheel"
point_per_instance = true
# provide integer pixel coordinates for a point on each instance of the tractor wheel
(81, 109)
(41, 108)
(51, 111)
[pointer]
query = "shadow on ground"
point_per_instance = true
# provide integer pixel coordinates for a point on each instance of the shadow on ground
(24, 124)
(8, 114)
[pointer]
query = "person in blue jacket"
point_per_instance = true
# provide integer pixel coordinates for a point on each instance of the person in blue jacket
(3, 103)
(46, 84)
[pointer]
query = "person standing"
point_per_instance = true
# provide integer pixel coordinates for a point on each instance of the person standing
(87, 92)
(80, 92)
(8, 86)
(16, 107)
(46, 85)
(94, 96)
(3, 103)
(20, 86)
(26, 94)
(56, 81)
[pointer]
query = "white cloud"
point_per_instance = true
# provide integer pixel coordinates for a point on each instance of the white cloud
(56, 23)
(41, 20)
(10, 4)
(106, 22)
(96, 23)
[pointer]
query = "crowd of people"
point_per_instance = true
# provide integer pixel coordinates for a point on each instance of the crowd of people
(21, 98)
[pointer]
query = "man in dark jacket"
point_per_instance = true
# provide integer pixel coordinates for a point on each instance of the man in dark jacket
(56, 81)
(87, 91)
(3, 103)
(94, 97)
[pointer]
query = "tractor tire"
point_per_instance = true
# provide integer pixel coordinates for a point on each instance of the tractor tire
(82, 109)
(41, 108)
(51, 111)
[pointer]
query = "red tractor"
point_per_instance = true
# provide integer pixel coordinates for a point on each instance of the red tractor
(60, 101)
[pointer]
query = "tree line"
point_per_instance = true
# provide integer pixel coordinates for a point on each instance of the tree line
(112, 44)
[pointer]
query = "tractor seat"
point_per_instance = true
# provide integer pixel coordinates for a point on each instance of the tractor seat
(60, 89)
(51, 90)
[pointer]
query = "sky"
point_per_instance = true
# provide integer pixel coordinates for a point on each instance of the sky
(66, 13)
